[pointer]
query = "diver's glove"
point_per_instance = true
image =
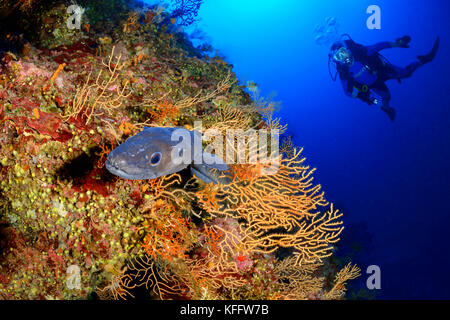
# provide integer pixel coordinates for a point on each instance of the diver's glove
(403, 42)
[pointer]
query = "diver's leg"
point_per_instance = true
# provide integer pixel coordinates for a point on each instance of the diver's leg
(385, 95)
(395, 72)
(382, 91)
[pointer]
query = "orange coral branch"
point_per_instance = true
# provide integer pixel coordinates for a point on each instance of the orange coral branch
(55, 75)
(286, 202)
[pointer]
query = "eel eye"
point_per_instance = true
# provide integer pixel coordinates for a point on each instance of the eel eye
(155, 158)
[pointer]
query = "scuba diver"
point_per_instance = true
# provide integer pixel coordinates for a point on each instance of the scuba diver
(363, 71)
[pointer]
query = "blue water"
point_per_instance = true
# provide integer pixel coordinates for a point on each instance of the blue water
(392, 177)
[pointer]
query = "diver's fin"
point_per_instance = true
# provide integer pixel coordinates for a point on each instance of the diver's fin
(390, 112)
(208, 175)
(430, 56)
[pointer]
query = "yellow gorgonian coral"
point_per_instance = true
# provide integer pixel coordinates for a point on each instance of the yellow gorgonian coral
(284, 209)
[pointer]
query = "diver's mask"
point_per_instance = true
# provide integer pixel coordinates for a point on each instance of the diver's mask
(343, 56)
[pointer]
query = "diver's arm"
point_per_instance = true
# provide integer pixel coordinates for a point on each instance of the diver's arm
(380, 46)
(402, 42)
(349, 89)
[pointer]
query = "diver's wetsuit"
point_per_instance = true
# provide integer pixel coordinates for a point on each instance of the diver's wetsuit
(369, 72)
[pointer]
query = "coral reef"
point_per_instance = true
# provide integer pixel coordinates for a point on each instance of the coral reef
(71, 230)
(186, 11)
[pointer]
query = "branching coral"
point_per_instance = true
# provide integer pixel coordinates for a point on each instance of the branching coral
(119, 286)
(280, 210)
(175, 236)
(7, 7)
(349, 272)
(132, 22)
(287, 147)
(167, 233)
(217, 269)
(186, 11)
(298, 282)
(302, 282)
(92, 99)
(200, 97)
(231, 117)
(156, 277)
(164, 113)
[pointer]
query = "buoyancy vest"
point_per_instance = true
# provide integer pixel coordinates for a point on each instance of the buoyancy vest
(366, 69)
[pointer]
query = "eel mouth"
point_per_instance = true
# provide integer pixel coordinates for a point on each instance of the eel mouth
(115, 170)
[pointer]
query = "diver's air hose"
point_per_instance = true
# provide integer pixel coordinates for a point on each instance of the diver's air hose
(330, 57)
(329, 70)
